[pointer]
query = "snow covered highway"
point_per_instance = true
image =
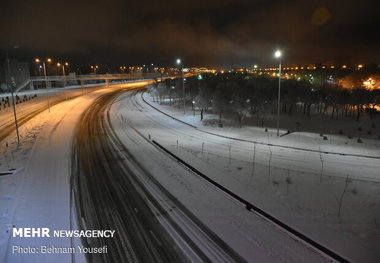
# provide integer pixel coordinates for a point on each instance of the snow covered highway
(154, 222)
(111, 195)
(96, 162)
(287, 183)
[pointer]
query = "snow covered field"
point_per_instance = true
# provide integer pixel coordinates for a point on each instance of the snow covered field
(290, 183)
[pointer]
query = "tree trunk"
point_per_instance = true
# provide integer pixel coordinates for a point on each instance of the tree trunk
(358, 113)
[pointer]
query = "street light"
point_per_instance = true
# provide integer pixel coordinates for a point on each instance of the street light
(179, 62)
(63, 72)
(46, 81)
(12, 86)
(64, 76)
(278, 55)
(94, 68)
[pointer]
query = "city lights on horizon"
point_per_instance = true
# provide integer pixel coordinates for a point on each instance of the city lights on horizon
(254, 68)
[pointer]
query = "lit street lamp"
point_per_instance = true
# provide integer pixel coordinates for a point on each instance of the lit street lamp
(95, 68)
(46, 81)
(278, 55)
(123, 68)
(179, 62)
(64, 75)
(63, 72)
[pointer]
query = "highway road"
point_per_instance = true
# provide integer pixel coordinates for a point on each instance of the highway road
(27, 110)
(160, 210)
(113, 191)
(308, 194)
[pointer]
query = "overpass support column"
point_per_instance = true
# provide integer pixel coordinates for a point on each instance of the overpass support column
(107, 83)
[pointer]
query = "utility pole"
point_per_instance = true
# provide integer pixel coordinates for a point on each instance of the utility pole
(11, 87)
(179, 61)
(278, 55)
(46, 84)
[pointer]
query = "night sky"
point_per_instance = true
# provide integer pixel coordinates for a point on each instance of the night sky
(223, 33)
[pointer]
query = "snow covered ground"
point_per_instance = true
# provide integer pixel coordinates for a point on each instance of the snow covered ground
(252, 237)
(304, 188)
(39, 195)
(34, 180)
(279, 177)
(39, 102)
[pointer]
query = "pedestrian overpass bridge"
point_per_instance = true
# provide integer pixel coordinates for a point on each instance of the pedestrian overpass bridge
(56, 81)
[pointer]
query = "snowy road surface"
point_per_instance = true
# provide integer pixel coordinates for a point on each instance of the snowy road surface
(160, 210)
(38, 195)
(284, 182)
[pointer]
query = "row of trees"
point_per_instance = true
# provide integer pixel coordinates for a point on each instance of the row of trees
(247, 95)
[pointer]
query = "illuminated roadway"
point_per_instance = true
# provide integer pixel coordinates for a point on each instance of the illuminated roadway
(120, 180)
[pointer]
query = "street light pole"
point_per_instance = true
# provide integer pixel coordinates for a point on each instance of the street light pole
(46, 84)
(183, 86)
(94, 68)
(46, 80)
(63, 72)
(64, 76)
(11, 86)
(278, 54)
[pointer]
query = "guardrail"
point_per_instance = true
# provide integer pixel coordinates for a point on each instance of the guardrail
(252, 207)
(97, 77)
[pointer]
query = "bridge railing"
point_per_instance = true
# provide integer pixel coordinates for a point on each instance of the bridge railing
(73, 79)
(98, 77)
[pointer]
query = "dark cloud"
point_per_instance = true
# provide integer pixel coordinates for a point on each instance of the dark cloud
(213, 32)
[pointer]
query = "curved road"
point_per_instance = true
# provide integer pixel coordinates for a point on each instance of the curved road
(112, 191)
(186, 143)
